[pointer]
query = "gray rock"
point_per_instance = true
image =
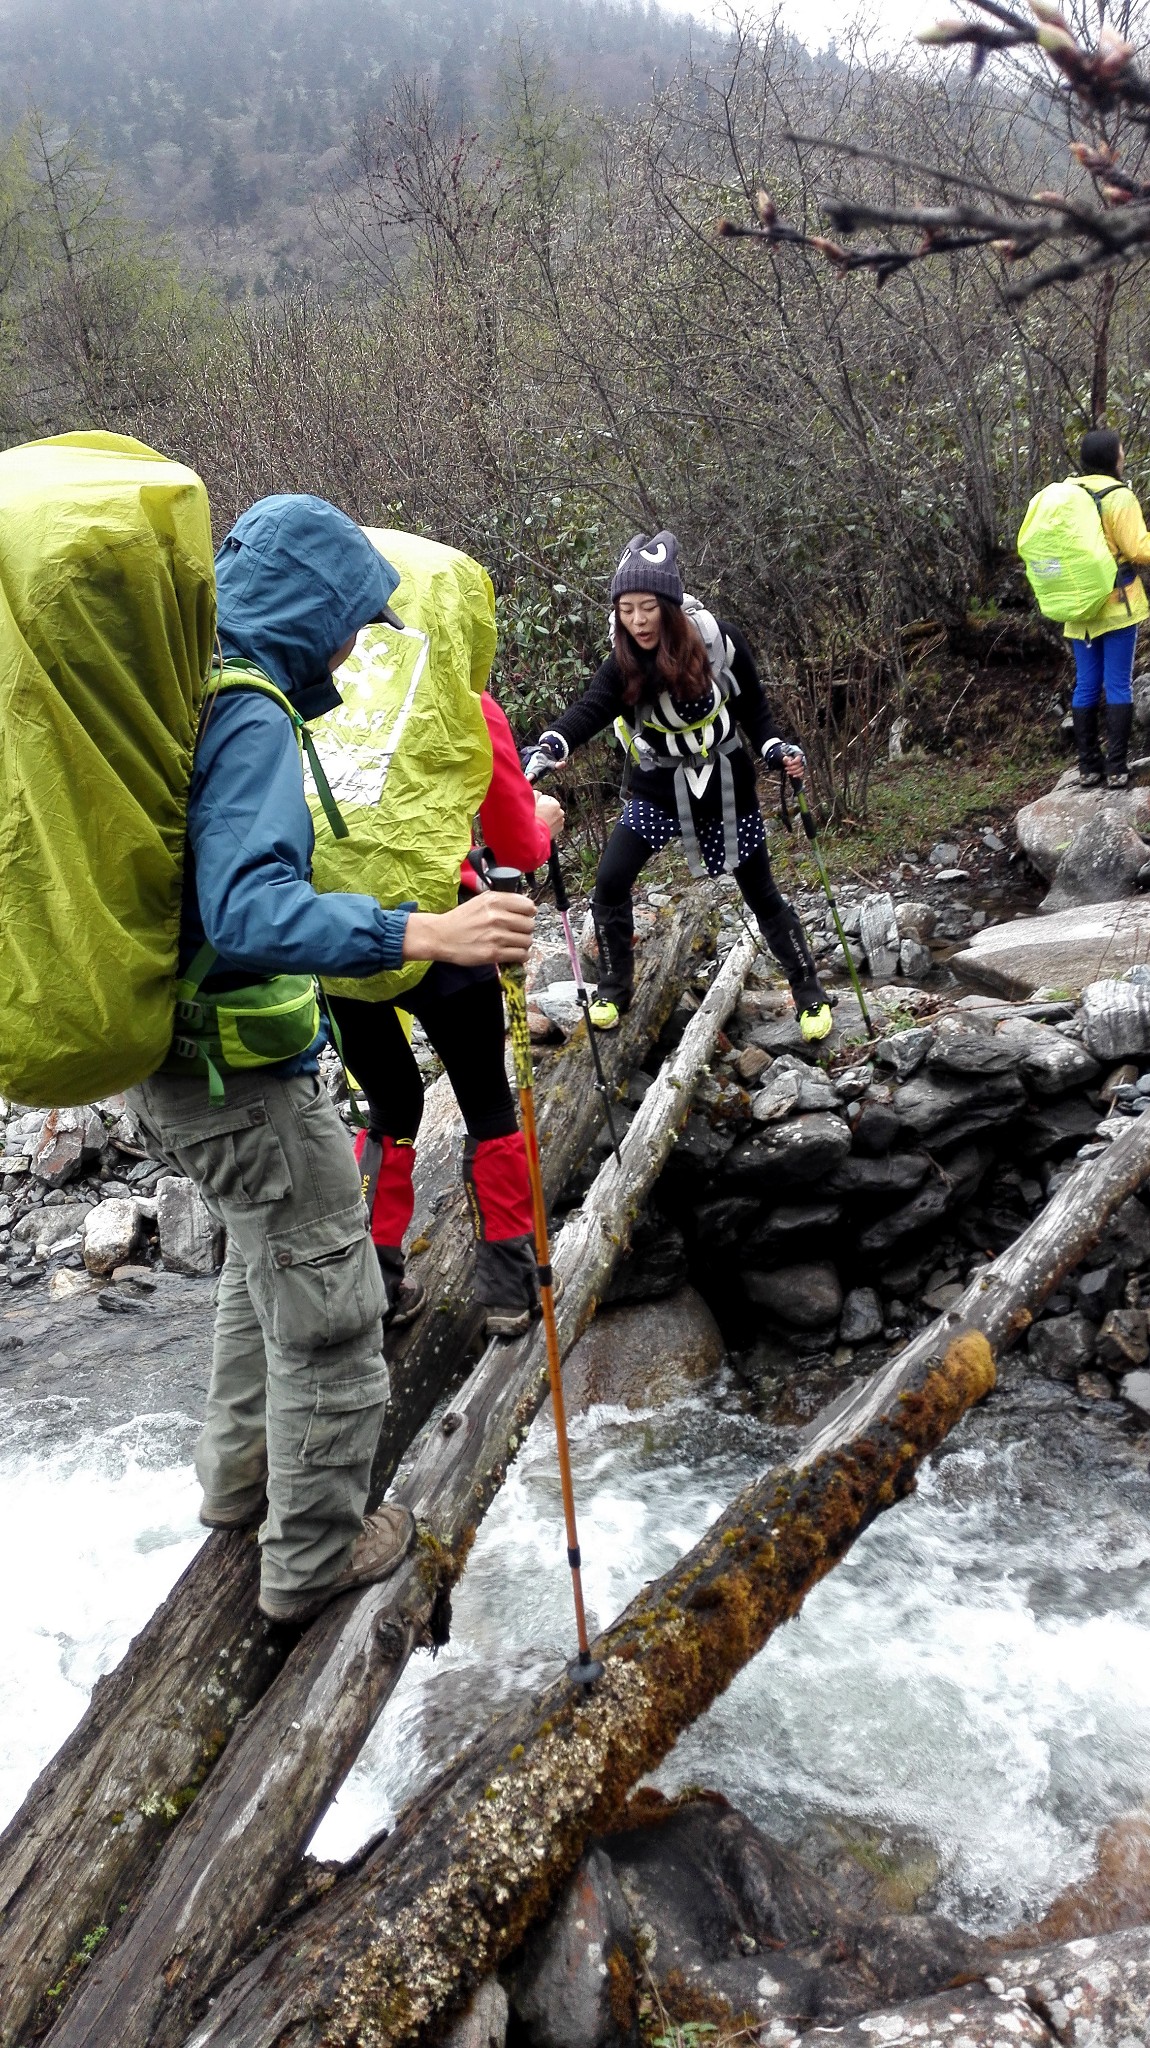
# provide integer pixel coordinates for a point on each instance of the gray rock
(113, 1231)
(861, 1317)
(778, 1097)
(905, 1051)
(788, 1154)
(805, 1297)
(1063, 1346)
(878, 929)
(1054, 1128)
(1115, 1018)
(1049, 1062)
(944, 854)
(484, 2024)
(190, 1240)
(559, 1003)
(791, 1220)
(964, 1045)
(1066, 951)
(70, 1143)
(915, 920)
(1103, 862)
(876, 1129)
(898, 1174)
(644, 1355)
(1122, 1340)
(561, 1992)
(1135, 1392)
(932, 1103)
(46, 1227)
(940, 1193)
(725, 1217)
(1047, 829)
(914, 960)
(1098, 1290)
(655, 1265)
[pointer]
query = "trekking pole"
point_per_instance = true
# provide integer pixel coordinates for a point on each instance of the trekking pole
(809, 827)
(563, 906)
(583, 1670)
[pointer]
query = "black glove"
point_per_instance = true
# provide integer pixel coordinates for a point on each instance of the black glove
(550, 751)
(775, 753)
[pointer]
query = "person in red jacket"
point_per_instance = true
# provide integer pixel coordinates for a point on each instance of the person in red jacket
(461, 1010)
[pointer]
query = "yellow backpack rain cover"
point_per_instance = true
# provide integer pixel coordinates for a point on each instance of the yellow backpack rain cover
(407, 753)
(107, 622)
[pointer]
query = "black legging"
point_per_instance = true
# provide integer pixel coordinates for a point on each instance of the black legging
(462, 1014)
(627, 853)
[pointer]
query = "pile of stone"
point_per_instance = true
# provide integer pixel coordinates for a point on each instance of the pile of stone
(829, 1201)
(84, 1209)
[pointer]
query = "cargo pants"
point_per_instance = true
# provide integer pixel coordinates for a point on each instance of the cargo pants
(298, 1385)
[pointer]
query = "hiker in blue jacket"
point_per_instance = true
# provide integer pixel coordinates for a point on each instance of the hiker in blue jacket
(298, 1386)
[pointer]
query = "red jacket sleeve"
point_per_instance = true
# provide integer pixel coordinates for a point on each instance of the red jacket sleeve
(507, 813)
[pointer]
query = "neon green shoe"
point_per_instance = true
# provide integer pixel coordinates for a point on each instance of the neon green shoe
(815, 1024)
(604, 1016)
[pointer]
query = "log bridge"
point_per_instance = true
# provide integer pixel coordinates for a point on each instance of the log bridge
(398, 1943)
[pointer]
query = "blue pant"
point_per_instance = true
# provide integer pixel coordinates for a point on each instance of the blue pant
(1104, 666)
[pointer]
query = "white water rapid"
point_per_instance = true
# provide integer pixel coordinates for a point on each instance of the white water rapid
(977, 1672)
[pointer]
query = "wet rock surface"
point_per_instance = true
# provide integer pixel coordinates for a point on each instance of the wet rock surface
(643, 1355)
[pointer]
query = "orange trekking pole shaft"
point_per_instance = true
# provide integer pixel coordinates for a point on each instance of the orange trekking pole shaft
(584, 1670)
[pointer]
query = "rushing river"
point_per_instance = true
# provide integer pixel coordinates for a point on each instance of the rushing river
(977, 1672)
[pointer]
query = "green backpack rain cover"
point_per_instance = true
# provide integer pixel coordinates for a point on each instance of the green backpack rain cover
(1069, 566)
(407, 753)
(107, 622)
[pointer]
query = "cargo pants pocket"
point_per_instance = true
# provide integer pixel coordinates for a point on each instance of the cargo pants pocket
(345, 1422)
(327, 1290)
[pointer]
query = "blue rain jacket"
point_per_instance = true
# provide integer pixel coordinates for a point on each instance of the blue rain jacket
(295, 579)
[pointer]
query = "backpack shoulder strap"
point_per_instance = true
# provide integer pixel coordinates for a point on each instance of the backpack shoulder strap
(243, 675)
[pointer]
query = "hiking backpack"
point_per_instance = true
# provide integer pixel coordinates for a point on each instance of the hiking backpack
(407, 753)
(1062, 541)
(107, 623)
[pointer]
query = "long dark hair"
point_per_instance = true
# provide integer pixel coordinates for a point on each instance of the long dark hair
(679, 663)
(1099, 452)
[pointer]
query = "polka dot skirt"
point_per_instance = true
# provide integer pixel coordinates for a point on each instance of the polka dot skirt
(658, 827)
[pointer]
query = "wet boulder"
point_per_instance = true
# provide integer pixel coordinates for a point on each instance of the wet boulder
(897, 1174)
(644, 1355)
(113, 1233)
(876, 1128)
(1106, 859)
(1054, 1128)
(1048, 828)
(45, 1229)
(934, 1104)
(905, 1051)
(71, 1142)
(778, 1097)
(1061, 1346)
(484, 2024)
(965, 1046)
(655, 1265)
(783, 1226)
(1116, 1019)
(1050, 1063)
(788, 1154)
(878, 930)
(914, 960)
(804, 1297)
(861, 1320)
(1122, 1340)
(1066, 951)
(915, 920)
(576, 1975)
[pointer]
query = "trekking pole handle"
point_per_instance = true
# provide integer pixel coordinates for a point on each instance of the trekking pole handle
(507, 881)
(558, 885)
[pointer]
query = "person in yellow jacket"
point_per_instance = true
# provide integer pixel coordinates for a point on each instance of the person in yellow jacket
(1104, 643)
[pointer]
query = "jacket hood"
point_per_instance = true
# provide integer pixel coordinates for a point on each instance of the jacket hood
(295, 578)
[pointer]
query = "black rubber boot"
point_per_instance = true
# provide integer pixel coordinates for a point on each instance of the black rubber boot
(1119, 720)
(615, 931)
(788, 942)
(1091, 766)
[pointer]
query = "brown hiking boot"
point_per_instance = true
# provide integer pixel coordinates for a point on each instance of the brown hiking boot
(383, 1543)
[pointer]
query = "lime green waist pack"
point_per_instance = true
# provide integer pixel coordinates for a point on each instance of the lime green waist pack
(258, 1025)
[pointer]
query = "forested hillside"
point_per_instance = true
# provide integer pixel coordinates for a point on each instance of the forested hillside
(229, 123)
(511, 323)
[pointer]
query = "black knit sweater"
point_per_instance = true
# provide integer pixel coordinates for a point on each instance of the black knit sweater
(603, 703)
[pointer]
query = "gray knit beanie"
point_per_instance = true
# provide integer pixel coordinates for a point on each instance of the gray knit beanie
(651, 565)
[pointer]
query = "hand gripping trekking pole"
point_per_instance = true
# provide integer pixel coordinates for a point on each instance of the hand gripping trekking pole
(563, 906)
(809, 827)
(583, 1670)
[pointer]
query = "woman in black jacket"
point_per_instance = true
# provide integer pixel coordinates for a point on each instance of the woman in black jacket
(677, 687)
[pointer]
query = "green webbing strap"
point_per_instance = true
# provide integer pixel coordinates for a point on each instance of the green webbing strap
(200, 965)
(328, 803)
(357, 1115)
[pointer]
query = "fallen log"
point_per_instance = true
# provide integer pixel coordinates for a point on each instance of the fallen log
(239, 1842)
(79, 1851)
(399, 1943)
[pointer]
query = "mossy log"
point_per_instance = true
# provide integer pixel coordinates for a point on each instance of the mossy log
(78, 1853)
(240, 1841)
(400, 1942)
(397, 1946)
